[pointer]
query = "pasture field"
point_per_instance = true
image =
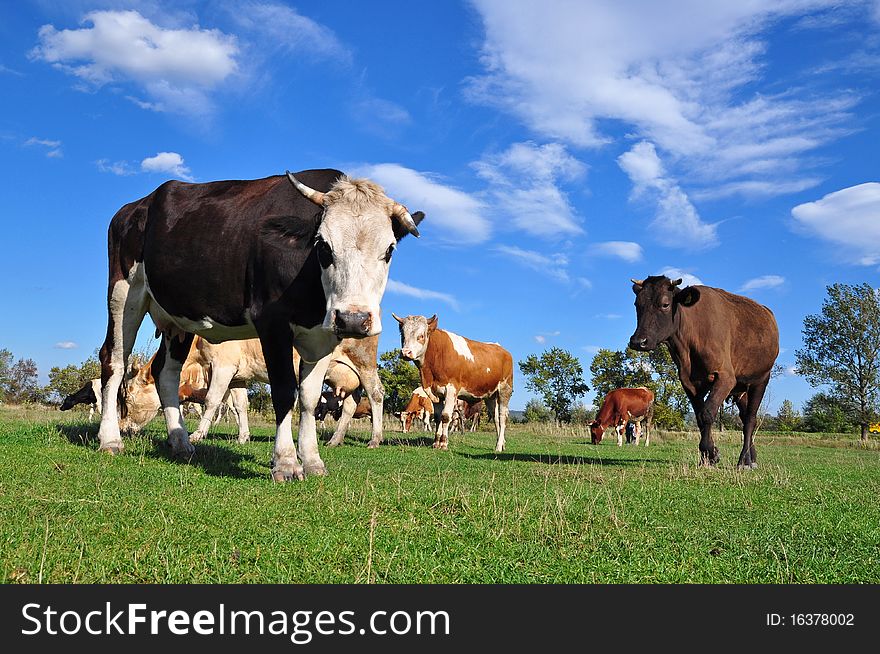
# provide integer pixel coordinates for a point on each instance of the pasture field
(551, 509)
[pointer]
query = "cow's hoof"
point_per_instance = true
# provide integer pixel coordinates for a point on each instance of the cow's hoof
(284, 475)
(443, 447)
(196, 436)
(315, 469)
(747, 466)
(372, 445)
(334, 443)
(242, 439)
(112, 448)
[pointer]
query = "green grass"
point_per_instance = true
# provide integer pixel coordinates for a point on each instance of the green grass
(550, 509)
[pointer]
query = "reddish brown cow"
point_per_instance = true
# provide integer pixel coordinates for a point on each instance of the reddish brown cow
(466, 416)
(452, 366)
(419, 407)
(724, 345)
(620, 406)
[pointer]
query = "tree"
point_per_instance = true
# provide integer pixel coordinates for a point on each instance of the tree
(21, 384)
(787, 419)
(400, 378)
(5, 366)
(536, 412)
(842, 350)
(825, 414)
(656, 370)
(71, 378)
(557, 376)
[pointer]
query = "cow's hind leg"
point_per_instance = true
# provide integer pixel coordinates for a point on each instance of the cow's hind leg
(349, 405)
(373, 388)
(126, 308)
(239, 399)
(748, 404)
(502, 411)
(441, 442)
(221, 376)
(166, 371)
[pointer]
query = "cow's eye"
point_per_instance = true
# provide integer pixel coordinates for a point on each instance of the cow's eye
(325, 253)
(665, 305)
(388, 253)
(421, 338)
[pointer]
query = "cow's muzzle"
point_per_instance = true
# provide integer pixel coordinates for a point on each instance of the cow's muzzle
(639, 343)
(353, 324)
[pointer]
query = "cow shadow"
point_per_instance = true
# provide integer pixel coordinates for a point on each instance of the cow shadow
(555, 459)
(78, 433)
(212, 458)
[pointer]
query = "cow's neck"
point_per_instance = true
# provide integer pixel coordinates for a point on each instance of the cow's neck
(677, 342)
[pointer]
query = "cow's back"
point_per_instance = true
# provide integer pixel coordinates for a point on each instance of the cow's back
(475, 367)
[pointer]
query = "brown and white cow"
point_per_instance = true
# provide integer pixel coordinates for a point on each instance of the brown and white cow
(724, 345)
(452, 366)
(621, 406)
(419, 408)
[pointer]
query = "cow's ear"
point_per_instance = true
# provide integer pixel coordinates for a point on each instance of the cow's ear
(432, 323)
(400, 231)
(687, 297)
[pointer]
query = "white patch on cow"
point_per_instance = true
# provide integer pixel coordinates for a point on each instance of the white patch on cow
(488, 370)
(460, 345)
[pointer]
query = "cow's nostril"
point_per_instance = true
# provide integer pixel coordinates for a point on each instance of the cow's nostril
(340, 321)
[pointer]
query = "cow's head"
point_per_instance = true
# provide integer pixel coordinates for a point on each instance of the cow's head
(414, 334)
(141, 400)
(658, 299)
(329, 404)
(596, 432)
(359, 230)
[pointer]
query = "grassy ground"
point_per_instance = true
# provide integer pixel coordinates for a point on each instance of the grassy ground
(550, 509)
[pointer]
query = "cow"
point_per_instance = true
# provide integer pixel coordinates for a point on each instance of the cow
(723, 345)
(619, 407)
(298, 261)
(419, 407)
(451, 366)
(89, 394)
(465, 416)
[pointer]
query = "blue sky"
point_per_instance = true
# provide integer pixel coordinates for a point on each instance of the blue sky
(557, 148)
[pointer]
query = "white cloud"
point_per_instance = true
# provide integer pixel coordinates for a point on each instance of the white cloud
(677, 223)
(176, 68)
(53, 147)
(591, 349)
(120, 168)
(848, 219)
(554, 267)
(399, 288)
(66, 345)
(765, 281)
(167, 162)
(540, 339)
(626, 250)
(608, 316)
(680, 74)
(524, 187)
(451, 215)
(543, 336)
(687, 278)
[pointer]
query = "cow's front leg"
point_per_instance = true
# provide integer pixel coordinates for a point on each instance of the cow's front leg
(276, 340)
(442, 440)
(349, 405)
(619, 429)
(240, 404)
(376, 393)
(722, 385)
(310, 385)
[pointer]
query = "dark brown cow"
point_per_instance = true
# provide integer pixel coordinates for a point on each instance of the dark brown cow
(619, 407)
(724, 345)
(453, 366)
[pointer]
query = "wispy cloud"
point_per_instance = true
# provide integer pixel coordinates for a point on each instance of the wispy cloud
(525, 188)
(687, 279)
(66, 345)
(399, 288)
(176, 68)
(454, 216)
(848, 219)
(608, 316)
(543, 336)
(626, 250)
(765, 281)
(53, 148)
(676, 223)
(121, 168)
(167, 162)
(554, 267)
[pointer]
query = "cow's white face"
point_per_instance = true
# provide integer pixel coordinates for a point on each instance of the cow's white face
(141, 402)
(415, 332)
(356, 239)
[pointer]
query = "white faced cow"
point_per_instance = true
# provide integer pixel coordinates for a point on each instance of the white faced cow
(296, 261)
(452, 366)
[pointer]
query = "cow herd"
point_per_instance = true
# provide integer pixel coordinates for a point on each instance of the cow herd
(291, 270)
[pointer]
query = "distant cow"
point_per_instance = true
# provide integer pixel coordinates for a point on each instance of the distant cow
(298, 261)
(451, 366)
(466, 416)
(621, 406)
(89, 394)
(419, 408)
(724, 345)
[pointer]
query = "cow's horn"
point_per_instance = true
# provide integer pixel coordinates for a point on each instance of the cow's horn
(315, 196)
(637, 282)
(397, 318)
(675, 282)
(399, 211)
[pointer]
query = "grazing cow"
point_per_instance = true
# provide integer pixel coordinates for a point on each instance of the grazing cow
(296, 261)
(619, 407)
(724, 345)
(451, 366)
(420, 408)
(89, 394)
